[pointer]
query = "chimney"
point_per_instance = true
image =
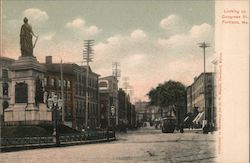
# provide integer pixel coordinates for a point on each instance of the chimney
(48, 60)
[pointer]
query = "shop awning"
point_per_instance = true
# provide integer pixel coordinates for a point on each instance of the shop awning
(198, 118)
(186, 118)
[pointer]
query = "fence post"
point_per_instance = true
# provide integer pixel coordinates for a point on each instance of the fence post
(107, 133)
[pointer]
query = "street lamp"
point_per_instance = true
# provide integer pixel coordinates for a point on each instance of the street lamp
(113, 115)
(55, 104)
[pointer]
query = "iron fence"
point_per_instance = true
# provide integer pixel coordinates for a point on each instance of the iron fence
(64, 139)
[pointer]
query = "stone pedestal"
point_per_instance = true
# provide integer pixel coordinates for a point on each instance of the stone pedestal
(23, 107)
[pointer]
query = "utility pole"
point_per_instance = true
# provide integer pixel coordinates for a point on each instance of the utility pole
(116, 73)
(131, 92)
(125, 83)
(87, 57)
(62, 94)
(214, 62)
(204, 46)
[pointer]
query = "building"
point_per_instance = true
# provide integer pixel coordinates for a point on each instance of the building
(127, 112)
(196, 98)
(131, 114)
(153, 112)
(73, 86)
(4, 84)
(121, 106)
(74, 89)
(108, 88)
(141, 110)
(189, 99)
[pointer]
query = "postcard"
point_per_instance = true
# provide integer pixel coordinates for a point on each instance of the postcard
(124, 81)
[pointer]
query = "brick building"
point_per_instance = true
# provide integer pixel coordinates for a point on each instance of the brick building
(74, 88)
(196, 98)
(5, 79)
(108, 87)
(122, 112)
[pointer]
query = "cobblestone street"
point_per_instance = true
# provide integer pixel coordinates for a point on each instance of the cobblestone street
(143, 145)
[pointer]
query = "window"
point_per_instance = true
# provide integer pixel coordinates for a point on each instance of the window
(79, 90)
(52, 82)
(59, 83)
(45, 81)
(59, 95)
(76, 89)
(69, 111)
(5, 89)
(5, 74)
(77, 105)
(84, 80)
(80, 105)
(64, 83)
(68, 83)
(69, 97)
(77, 77)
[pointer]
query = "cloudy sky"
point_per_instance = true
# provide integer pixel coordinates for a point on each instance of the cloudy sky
(153, 41)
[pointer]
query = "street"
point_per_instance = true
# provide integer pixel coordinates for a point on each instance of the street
(144, 145)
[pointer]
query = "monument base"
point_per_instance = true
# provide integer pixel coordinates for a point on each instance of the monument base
(23, 91)
(27, 114)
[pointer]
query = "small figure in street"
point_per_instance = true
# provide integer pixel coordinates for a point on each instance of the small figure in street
(181, 128)
(206, 129)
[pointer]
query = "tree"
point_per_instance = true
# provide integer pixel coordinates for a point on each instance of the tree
(171, 95)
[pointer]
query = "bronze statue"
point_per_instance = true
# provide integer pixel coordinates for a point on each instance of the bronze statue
(26, 39)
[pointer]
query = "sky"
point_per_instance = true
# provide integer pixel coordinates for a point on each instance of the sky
(153, 41)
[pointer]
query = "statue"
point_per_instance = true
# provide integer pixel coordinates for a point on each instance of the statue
(26, 39)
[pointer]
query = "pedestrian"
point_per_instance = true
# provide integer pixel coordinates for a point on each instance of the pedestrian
(181, 129)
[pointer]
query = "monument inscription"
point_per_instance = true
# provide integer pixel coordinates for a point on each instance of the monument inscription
(21, 92)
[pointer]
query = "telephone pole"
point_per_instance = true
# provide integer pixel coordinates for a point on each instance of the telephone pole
(204, 46)
(62, 92)
(116, 73)
(125, 84)
(87, 57)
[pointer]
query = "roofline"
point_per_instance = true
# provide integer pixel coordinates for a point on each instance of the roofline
(199, 78)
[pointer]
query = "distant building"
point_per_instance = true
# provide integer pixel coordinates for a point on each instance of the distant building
(74, 88)
(189, 99)
(153, 112)
(196, 98)
(131, 114)
(147, 112)
(121, 106)
(127, 112)
(5, 79)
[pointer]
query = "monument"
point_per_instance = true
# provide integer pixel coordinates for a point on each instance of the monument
(27, 105)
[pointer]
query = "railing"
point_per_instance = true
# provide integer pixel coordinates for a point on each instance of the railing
(26, 141)
(89, 136)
